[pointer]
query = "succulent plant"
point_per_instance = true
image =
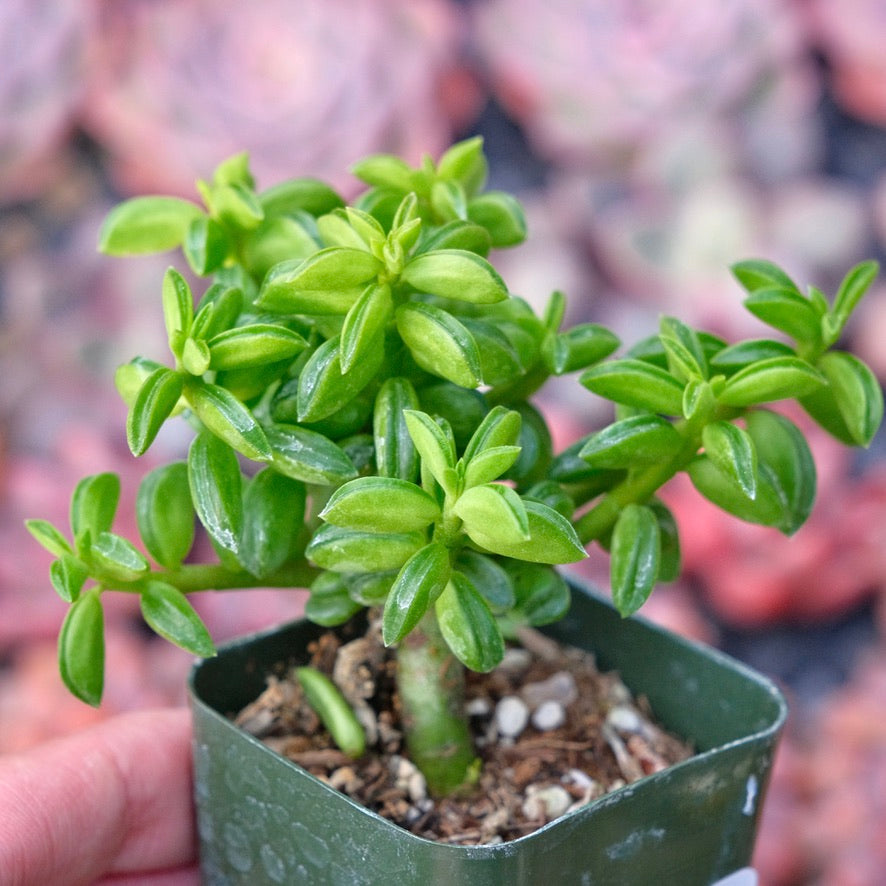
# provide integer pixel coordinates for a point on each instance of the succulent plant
(359, 381)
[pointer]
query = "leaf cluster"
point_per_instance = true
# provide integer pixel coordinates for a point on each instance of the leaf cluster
(359, 381)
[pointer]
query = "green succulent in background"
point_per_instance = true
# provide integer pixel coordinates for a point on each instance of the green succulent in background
(358, 378)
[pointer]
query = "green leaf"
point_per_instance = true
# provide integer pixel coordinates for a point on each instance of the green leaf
(253, 345)
(501, 214)
(435, 448)
(439, 343)
(234, 170)
(500, 361)
(146, 224)
(455, 273)
(448, 200)
(206, 246)
(552, 494)
(774, 379)
(786, 310)
(493, 515)
(217, 491)
(669, 567)
(165, 514)
(790, 469)
(395, 453)
(468, 625)
(369, 588)
(276, 240)
(94, 504)
(465, 162)
(536, 447)
(335, 229)
(68, 574)
(851, 406)
(299, 194)
(853, 288)
(686, 357)
(195, 357)
(461, 409)
(81, 649)
(738, 356)
(308, 456)
(334, 268)
(552, 538)
(226, 417)
(167, 610)
(578, 347)
(418, 585)
(381, 504)
(178, 309)
(237, 205)
(635, 558)
(489, 578)
(541, 594)
(273, 517)
(384, 171)
(350, 550)
(49, 537)
(490, 464)
(456, 234)
(115, 558)
(732, 450)
(500, 427)
(636, 383)
(638, 440)
(335, 713)
(365, 324)
(330, 603)
(755, 274)
(156, 400)
(323, 387)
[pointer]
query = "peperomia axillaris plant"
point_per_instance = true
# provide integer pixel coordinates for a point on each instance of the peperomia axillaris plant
(358, 378)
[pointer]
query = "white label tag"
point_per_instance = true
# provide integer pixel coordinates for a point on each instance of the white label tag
(744, 877)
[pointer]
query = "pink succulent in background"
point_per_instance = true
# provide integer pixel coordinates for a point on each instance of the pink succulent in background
(311, 86)
(850, 35)
(594, 81)
(44, 50)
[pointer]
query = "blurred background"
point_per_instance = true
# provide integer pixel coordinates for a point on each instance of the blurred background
(654, 142)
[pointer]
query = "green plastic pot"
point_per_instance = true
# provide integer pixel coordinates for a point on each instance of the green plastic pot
(264, 820)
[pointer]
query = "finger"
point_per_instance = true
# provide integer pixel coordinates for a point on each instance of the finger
(112, 799)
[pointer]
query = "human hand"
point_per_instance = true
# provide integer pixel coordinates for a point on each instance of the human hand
(108, 806)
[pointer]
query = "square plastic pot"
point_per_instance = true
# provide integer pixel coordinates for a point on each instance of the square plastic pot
(264, 820)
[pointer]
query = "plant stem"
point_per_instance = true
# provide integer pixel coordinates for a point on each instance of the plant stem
(430, 681)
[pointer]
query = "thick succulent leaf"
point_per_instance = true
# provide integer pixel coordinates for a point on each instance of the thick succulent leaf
(635, 554)
(462, 409)
(169, 613)
(206, 245)
(536, 447)
(49, 537)
(370, 588)
(237, 206)
(768, 380)
(552, 538)
(465, 163)
(669, 567)
(448, 200)
(395, 453)
(490, 464)
(853, 288)
(468, 625)
(783, 451)
(754, 274)
(114, 558)
(384, 171)
(323, 387)
(493, 515)
(636, 383)
(253, 345)
(500, 427)
(308, 456)
(330, 603)
(500, 361)
(489, 578)
(273, 517)
(178, 309)
(735, 357)
(541, 594)
(68, 574)
(439, 343)
(456, 234)
(156, 400)
(81, 649)
(418, 585)
(732, 450)
(641, 439)
(146, 224)
(279, 295)
(786, 310)
(217, 491)
(381, 504)
(578, 347)
(350, 550)
(850, 407)
(455, 273)
(334, 711)
(165, 514)
(226, 417)
(365, 324)
(434, 446)
(94, 504)
(299, 194)
(501, 214)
